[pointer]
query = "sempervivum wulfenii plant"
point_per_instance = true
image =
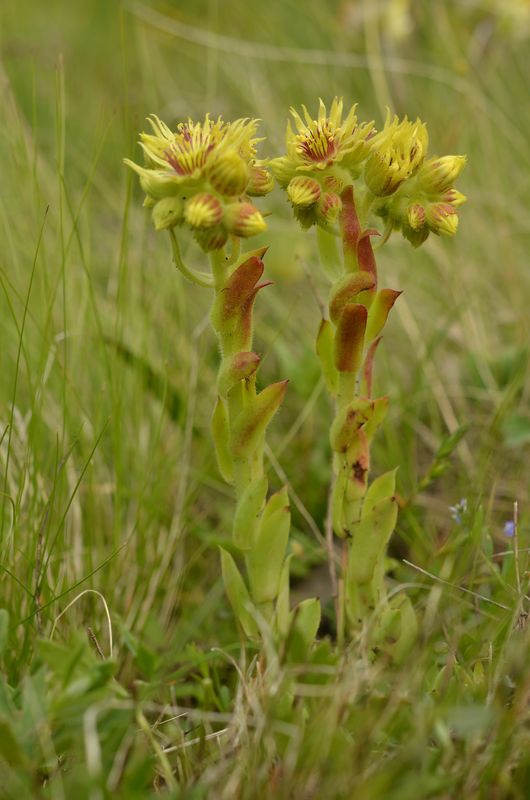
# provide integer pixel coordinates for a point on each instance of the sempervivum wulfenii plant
(342, 175)
(202, 177)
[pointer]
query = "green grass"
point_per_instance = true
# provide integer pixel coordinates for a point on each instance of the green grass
(123, 673)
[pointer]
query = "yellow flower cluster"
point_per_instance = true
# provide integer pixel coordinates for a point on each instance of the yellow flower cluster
(203, 175)
(390, 168)
(322, 158)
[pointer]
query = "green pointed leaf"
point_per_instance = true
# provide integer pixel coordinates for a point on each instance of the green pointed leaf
(265, 560)
(379, 311)
(238, 594)
(250, 425)
(248, 513)
(221, 438)
(308, 614)
(279, 499)
(370, 539)
(325, 352)
(283, 602)
(382, 487)
(305, 621)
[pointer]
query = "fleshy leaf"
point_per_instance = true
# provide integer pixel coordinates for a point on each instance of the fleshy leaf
(221, 436)
(304, 627)
(325, 353)
(379, 311)
(365, 254)
(370, 539)
(265, 559)
(346, 290)
(238, 594)
(248, 513)
(349, 338)
(382, 487)
(350, 228)
(252, 422)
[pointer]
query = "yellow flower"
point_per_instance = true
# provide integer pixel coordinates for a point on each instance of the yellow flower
(396, 154)
(216, 152)
(438, 174)
(320, 144)
(190, 174)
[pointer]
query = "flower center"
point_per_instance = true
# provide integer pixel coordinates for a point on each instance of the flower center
(318, 144)
(192, 146)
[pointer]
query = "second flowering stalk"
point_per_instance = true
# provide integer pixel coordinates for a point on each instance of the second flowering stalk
(340, 174)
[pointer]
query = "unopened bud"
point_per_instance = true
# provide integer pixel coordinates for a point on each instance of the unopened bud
(167, 213)
(397, 153)
(154, 182)
(244, 219)
(229, 173)
(211, 238)
(203, 211)
(454, 197)
(442, 218)
(261, 182)
(303, 191)
(328, 208)
(416, 216)
(282, 169)
(438, 174)
(381, 177)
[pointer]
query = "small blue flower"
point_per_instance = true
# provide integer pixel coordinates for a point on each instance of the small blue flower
(457, 511)
(509, 528)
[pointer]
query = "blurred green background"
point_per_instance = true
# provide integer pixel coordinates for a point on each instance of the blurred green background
(107, 363)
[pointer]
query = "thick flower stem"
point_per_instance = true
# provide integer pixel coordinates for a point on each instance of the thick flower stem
(356, 415)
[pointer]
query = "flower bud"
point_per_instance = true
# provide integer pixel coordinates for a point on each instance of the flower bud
(381, 177)
(437, 174)
(229, 173)
(303, 191)
(261, 182)
(167, 213)
(203, 211)
(397, 153)
(156, 183)
(337, 181)
(454, 197)
(328, 208)
(283, 170)
(244, 219)
(416, 216)
(442, 218)
(211, 238)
